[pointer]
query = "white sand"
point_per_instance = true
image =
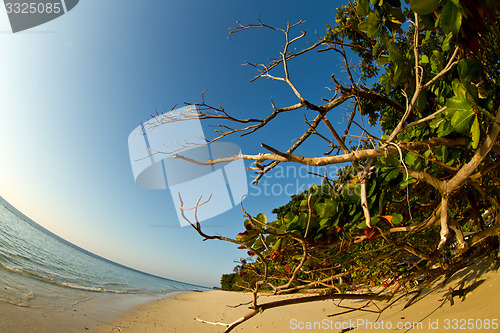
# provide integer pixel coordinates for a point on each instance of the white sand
(430, 313)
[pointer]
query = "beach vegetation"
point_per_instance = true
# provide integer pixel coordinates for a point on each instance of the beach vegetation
(418, 194)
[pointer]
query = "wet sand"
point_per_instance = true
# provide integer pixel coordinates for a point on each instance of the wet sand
(31, 305)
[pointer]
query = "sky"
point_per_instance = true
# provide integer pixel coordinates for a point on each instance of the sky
(73, 89)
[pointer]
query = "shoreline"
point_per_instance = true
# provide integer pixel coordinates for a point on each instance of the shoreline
(432, 311)
(30, 305)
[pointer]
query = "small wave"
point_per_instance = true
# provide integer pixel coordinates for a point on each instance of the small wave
(114, 285)
(18, 304)
(82, 301)
(98, 289)
(70, 285)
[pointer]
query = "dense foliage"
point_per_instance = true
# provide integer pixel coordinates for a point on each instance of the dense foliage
(419, 200)
(430, 59)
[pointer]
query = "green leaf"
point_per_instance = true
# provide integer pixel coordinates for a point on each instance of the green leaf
(405, 183)
(395, 15)
(362, 225)
(475, 133)
(471, 92)
(322, 210)
(447, 42)
(364, 25)
(363, 7)
(277, 245)
(397, 218)
(410, 159)
(482, 91)
(461, 114)
(390, 161)
(323, 223)
(353, 209)
(458, 88)
(457, 105)
(436, 122)
(370, 25)
(262, 218)
(336, 220)
(289, 217)
(428, 21)
(451, 18)
(318, 237)
(392, 174)
(383, 60)
(271, 239)
(436, 61)
(381, 203)
(398, 71)
(394, 53)
(469, 70)
(424, 7)
(442, 153)
(247, 236)
(421, 102)
(352, 193)
(371, 200)
(258, 244)
(371, 189)
(302, 220)
(461, 121)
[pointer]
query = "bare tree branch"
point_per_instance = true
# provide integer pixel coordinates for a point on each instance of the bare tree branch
(327, 160)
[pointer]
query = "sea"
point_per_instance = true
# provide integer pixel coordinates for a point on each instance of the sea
(41, 271)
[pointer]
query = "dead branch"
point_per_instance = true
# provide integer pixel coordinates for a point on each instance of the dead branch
(301, 300)
(327, 160)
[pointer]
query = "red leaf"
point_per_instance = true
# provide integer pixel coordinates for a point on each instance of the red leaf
(370, 233)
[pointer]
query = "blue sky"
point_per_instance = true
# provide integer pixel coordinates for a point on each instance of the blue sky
(72, 90)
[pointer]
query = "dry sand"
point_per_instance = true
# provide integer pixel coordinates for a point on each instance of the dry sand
(432, 312)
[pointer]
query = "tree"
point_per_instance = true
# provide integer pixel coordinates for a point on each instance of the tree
(418, 201)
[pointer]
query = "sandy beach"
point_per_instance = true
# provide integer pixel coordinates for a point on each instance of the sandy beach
(68, 310)
(479, 310)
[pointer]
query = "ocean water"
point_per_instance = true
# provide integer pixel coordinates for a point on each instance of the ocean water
(41, 270)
